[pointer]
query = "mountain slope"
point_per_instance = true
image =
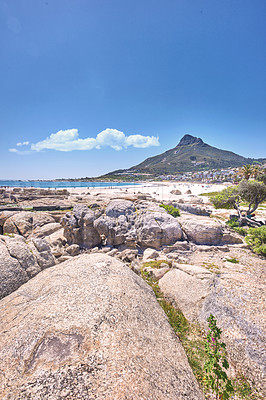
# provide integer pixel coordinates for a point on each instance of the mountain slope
(191, 154)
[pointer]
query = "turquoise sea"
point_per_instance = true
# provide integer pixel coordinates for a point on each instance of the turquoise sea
(62, 184)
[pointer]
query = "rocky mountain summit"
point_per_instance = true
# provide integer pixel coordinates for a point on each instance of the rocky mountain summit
(190, 154)
(78, 320)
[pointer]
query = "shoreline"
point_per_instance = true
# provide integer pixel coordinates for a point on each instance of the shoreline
(154, 188)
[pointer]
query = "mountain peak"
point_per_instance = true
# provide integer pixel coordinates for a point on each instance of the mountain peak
(188, 139)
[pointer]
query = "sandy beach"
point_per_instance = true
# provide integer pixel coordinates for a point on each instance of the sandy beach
(159, 190)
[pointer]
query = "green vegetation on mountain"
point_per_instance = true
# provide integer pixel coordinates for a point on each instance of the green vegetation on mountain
(191, 154)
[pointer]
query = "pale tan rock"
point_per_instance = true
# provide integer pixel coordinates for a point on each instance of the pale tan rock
(20, 261)
(73, 250)
(24, 222)
(90, 329)
(150, 254)
(236, 299)
(155, 229)
(47, 229)
(202, 230)
(187, 288)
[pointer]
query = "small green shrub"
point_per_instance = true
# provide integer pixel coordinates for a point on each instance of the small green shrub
(234, 224)
(171, 210)
(241, 230)
(9, 234)
(232, 260)
(256, 239)
(216, 378)
(156, 264)
(209, 194)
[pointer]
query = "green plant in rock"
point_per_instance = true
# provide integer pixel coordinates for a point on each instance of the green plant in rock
(193, 341)
(256, 239)
(9, 234)
(156, 264)
(233, 260)
(190, 335)
(215, 376)
(171, 210)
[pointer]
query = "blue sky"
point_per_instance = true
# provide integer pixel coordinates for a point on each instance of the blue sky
(116, 81)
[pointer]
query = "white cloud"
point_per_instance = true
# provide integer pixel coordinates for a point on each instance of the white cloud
(142, 141)
(13, 150)
(69, 140)
(23, 143)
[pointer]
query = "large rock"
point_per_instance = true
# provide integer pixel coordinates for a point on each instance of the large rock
(237, 300)
(117, 224)
(193, 209)
(47, 229)
(79, 229)
(116, 230)
(24, 222)
(208, 231)
(155, 229)
(201, 230)
(120, 207)
(90, 329)
(187, 286)
(20, 261)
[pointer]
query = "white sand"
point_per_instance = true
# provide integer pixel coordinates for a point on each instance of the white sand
(159, 190)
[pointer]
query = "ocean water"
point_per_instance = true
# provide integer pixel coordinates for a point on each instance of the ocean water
(63, 184)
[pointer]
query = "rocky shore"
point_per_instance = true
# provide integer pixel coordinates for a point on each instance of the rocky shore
(77, 319)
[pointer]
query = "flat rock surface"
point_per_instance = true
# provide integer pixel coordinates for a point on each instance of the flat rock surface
(90, 328)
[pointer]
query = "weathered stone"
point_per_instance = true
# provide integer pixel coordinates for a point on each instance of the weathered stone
(24, 222)
(158, 273)
(73, 249)
(64, 258)
(194, 209)
(20, 261)
(187, 286)
(176, 192)
(79, 229)
(155, 229)
(47, 229)
(237, 301)
(113, 252)
(202, 230)
(42, 252)
(119, 207)
(114, 230)
(99, 342)
(231, 238)
(12, 276)
(4, 215)
(178, 246)
(150, 254)
(128, 255)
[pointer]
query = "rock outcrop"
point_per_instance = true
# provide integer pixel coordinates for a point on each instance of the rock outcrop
(90, 329)
(207, 231)
(24, 222)
(155, 229)
(78, 227)
(20, 261)
(237, 300)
